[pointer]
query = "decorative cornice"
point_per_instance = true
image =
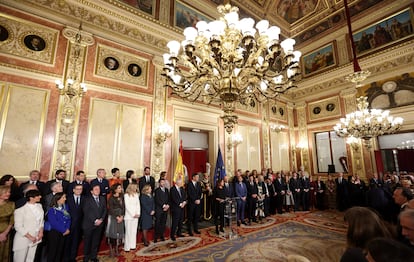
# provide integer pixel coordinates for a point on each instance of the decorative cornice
(387, 60)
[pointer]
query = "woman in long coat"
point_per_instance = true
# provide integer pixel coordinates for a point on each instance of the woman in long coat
(147, 212)
(116, 211)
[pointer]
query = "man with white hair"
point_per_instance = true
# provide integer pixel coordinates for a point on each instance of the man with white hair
(407, 226)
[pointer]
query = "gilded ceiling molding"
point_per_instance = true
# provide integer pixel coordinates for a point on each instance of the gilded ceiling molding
(386, 61)
(150, 35)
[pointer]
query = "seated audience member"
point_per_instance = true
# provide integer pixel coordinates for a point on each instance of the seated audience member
(60, 221)
(364, 224)
(80, 179)
(407, 226)
(34, 177)
(386, 250)
(6, 222)
(60, 177)
(28, 223)
(10, 181)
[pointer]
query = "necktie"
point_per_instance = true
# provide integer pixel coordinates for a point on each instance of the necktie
(97, 200)
(179, 191)
(77, 201)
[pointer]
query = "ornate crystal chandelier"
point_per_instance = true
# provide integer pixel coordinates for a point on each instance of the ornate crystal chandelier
(229, 60)
(367, 123)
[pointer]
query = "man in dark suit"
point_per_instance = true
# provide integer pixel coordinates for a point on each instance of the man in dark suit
(228, 188)
(60, 176)
(341, 192)
(101, 181)
(280, 188)
(146, 179)
(34, 177)
(305, 187)
(194, 196)
(241, 194)
(162, 205)
(74, 201)
(79, 180)
(94, 213)
(252, 191)
(178, 203)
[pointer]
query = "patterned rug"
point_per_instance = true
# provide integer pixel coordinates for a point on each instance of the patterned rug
(318, 236)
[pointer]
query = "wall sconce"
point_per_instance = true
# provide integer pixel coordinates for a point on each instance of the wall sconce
(353, 142)
(234, 141)
(276, 128)
(164, 131)
(72, 88)
(301, 146)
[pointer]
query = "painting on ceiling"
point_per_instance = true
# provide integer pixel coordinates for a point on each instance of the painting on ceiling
(186, 16)
(334, 20)
(293, 10)
(384, 32)
(144, 5)
(391, 93)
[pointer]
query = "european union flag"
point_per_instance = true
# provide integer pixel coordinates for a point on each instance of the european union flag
(220, 171)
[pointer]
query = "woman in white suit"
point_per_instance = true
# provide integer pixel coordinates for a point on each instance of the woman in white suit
(28, 222)
(132, 213)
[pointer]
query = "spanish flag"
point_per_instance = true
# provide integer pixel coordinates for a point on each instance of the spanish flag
(179, 168)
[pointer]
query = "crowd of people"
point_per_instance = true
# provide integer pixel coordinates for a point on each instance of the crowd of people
(48, 220)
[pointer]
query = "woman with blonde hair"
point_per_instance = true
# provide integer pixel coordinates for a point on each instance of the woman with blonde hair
(364, 224)
(147, 212)
(132, 214)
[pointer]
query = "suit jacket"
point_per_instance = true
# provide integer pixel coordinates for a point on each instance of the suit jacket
(41, 186)
(241, 190)
(75, 211)
(176, 199)
(252, 189)
(279, 185)
(229, 190)
(104, 185)
(65, 185)
(142, 182)
(27, 221)
(161, 199)
(92, 212)
(193, 192)
(86, 188)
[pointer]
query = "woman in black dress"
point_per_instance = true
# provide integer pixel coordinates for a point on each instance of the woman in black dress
(147, 211)
(219, 199)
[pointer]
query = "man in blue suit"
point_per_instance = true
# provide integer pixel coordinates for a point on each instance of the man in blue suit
(101, 181)
(241, 194)
(194, 195)
(74, 201)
